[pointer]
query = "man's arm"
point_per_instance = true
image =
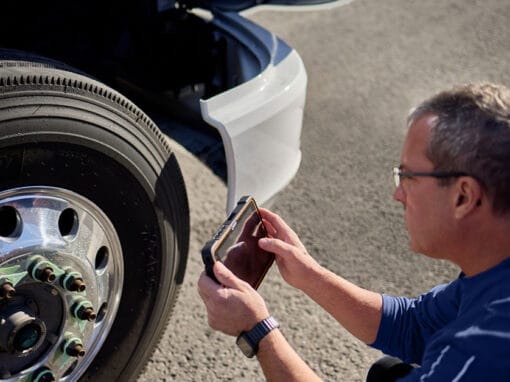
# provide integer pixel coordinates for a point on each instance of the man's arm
(358, 310)
(355, 308)
(280, 362)
(235, 307)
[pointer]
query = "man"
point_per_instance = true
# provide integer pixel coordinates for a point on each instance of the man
(454, 184)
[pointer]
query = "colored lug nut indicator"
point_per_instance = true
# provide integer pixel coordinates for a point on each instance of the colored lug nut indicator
(7, 290)
(72, 281)
(42, 270)
(43, 374)
(73, 347)
(83, 310)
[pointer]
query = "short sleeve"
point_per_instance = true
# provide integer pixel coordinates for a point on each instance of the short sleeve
(408, 324)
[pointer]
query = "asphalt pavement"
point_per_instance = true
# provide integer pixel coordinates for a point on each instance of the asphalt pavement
(368, 63)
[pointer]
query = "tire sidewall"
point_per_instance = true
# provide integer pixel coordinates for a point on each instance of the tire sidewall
(89, 143)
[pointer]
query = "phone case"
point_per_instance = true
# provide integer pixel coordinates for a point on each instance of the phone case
(256, 268)
(208, 249)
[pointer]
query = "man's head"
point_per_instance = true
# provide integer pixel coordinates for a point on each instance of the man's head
(472, 135)
(465, 134)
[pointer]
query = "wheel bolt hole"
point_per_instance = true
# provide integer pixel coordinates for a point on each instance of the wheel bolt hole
(102, 258)
(10, 222)
(102, 312)
(68, 223)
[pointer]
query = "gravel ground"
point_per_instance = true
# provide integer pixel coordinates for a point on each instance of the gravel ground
(368, 62)
(190, 351)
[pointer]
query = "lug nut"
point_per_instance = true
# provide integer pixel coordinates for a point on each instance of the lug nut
(73, 347)
(83, 310)
(77, 285)
(7, 290)
(45, 275)
(43, 374)
(87, 314)
(73, 282)
(76, 351)
(42, 270)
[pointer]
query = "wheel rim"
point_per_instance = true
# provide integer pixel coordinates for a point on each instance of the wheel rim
(61, 277)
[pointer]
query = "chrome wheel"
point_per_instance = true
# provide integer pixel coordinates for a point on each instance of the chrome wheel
(61, 277)
(91, 263)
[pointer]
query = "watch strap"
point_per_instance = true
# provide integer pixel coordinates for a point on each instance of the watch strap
(259, 331)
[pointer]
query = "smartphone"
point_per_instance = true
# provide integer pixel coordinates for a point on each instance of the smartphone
(236, 244)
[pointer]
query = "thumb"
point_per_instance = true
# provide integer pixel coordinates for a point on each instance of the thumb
(226, 277)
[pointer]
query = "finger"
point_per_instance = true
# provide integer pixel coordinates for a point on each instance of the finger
(268, 215)
(271, 231)
(281, 228)
(276, 246)
(206, 286)
(226, 277)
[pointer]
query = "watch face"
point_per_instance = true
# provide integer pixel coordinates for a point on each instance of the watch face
(245, 346)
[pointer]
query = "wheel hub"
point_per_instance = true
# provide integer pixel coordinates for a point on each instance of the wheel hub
(21, 332)
(61, 274)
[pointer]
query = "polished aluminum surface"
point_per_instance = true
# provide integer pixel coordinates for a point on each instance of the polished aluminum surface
(60, 229)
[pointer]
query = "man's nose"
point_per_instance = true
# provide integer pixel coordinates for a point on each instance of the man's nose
(399, 195)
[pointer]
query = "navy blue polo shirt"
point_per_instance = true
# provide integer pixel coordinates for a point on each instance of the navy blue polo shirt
(457, 332)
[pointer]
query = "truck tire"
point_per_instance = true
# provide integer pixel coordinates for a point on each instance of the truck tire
(94, 227)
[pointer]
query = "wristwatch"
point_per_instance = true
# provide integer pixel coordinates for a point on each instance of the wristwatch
(249, 341)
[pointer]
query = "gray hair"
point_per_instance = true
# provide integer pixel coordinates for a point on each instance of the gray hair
(472, 135)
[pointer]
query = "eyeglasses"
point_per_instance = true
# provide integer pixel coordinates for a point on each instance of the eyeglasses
(398, 174)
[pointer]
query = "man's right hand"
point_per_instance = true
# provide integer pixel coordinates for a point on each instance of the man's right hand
(294, 263)
(357, 309)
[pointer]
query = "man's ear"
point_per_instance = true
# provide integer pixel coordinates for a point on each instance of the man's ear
(467, 197)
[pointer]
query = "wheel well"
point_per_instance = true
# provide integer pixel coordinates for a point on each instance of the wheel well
(127, 40)
(154, 58)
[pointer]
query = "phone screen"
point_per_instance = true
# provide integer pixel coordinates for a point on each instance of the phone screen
(239, 249)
